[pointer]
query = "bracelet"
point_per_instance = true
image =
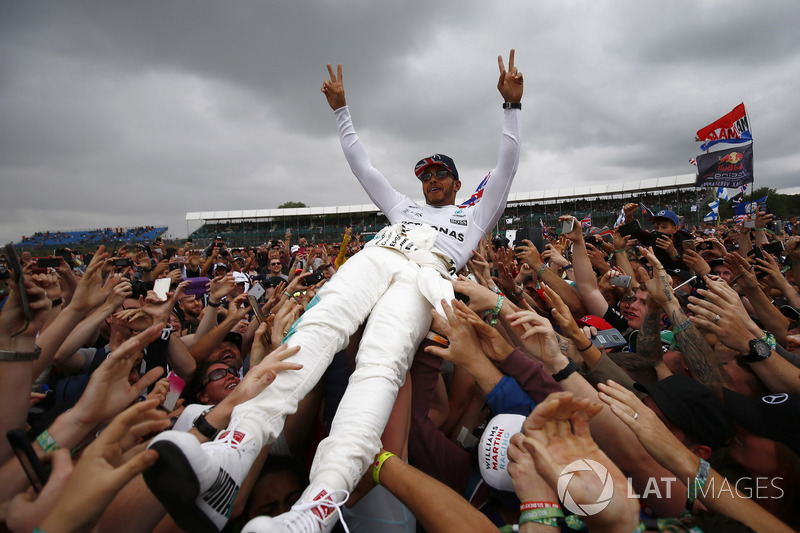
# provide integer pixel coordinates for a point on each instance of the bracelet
(759, 229)
(527, 506)
(682, 326)
(620, 251)
(286, 293)
(584, 349)
(543, 515)
(512, 105)
(376, 467)
(47, 442)
(212, 304)
(540, 272)
(566, 267)
(769, 338)
(699, 481)
(12, 355)
(520, 291)
(57, 301)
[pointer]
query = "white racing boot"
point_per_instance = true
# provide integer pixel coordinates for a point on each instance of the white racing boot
(316, 516)
(196, 483)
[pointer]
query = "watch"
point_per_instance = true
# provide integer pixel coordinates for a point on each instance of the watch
(565, 372)
(205, 429)
(512, 105)
(759, 351)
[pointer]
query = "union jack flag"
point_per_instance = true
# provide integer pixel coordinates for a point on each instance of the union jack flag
(476, 196)
(586, 222)
(738, 219)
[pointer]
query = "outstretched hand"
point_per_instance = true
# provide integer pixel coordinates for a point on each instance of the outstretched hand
(333, 88)
(510, 84)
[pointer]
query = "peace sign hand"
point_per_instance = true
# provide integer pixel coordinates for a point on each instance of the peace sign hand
(510, 84)
(333, 88)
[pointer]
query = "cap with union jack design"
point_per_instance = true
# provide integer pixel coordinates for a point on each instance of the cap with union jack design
(436, 159)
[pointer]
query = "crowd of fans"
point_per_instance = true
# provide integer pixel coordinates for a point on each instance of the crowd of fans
(89, 237)
(662, 360)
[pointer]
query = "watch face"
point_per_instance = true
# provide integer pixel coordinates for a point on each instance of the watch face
(759, 349)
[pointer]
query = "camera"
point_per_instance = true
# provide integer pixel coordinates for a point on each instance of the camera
(500, 242)
(140, 288)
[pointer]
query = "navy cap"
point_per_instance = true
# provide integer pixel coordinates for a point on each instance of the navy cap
(669, 215)
(436, 159)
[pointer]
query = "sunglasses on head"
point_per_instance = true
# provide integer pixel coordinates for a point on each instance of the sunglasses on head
(217, 374)
(427, 175)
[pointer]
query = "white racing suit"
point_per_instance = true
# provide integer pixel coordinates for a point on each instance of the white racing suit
(395, 281)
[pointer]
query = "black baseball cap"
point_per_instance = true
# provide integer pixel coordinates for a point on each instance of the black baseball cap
(436, 159)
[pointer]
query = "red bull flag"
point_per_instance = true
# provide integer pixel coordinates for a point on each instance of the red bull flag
(730, 168)
(586, 222)
(733, 128)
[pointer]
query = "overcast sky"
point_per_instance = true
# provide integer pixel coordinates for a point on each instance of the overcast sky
(133, 113)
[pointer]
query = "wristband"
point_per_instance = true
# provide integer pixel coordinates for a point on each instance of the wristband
(147, 269)
(545, 515)
(620, 251)
(682, 326)
(212, 304)
(565, 372)
(57, 301)
(12, 355)
(205, 429)
(47, 442)
(540, 272)
(759, 229)
(769, 338)
(527, 506)
(376, 467)
(512, 105)
(699, 481)
(520, 291)
(286, 293)
(584, 349)
(566, 267)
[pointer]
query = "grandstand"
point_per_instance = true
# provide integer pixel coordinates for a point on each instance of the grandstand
(88, 240)
(326, 224)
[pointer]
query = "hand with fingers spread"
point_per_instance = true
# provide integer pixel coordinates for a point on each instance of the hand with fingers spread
(109, 390)
(284, 318)
(480, 267)
(102, 470)
(465, 348)
(557, 435)
(769, 266)
(529, 486)
(15, 329)
(510, 83)
(720, 311)
(658, 285)
(333, 89)
(538, 338)
(220, 287)
(742, 271)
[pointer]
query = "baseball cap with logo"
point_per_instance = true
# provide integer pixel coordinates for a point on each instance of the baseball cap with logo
(436, 159)
(773, 416)
(493, 450)
(667, 214)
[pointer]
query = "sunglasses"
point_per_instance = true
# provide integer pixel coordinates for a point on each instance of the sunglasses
(217, 374)
(425, 177)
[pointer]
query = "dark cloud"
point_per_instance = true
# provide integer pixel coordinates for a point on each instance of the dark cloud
(137, 112)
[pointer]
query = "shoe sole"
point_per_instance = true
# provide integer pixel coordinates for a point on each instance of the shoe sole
(173, 481)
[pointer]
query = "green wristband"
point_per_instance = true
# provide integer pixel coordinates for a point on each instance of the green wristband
(47, 442)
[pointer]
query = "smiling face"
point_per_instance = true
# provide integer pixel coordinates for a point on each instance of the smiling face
(227, 353)
(440, 191)
(217, 390)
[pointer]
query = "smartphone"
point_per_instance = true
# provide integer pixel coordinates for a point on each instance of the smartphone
(176, 385)
(16, 274)
(620, 281)
(197, 286)
(609, 338)
(87, 258)
(34, 468)
(122, 263)
(313, 279)
(48, 262)
(688, 245)
(532, 234)
(568, 225)
(67, 255)
(174, 266)
(774, 247)
(257, 290)
(631, 228)
(161, 287)
(750, 221)
(256, 308)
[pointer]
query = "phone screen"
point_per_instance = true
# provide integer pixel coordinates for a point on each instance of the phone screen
(31, 464)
